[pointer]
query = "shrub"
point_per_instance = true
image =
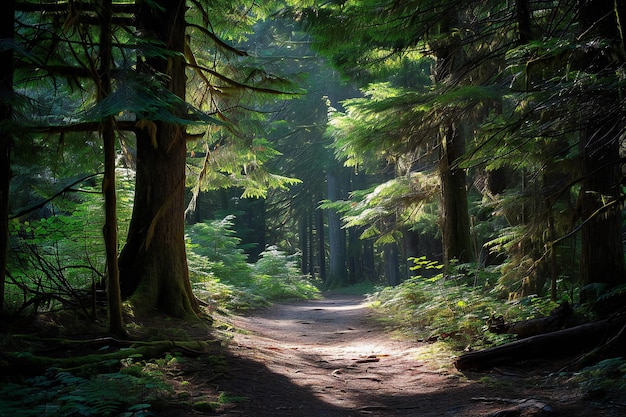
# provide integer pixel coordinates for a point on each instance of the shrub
(454, 307)
(277, 277)
(63, 394)
(221, 275)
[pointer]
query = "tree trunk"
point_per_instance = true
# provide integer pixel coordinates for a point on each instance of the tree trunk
(337, 274)
(523, 10)
(304, 243)
(411, 241)
(321, 243)
(251, 226)
(116, 326)
(311, 239)
(392, 268)
(7, 16)
(355, 254)
(457, 242)
(153, 263)
(602, 255)
(455, 229)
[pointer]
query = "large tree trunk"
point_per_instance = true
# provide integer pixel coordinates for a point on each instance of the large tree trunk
(602, 256)
(153, 263)
(457, 242)
(7, 15)
(455, 228)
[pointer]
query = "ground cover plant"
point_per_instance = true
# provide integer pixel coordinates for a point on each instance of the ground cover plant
(454, 307)
(222, 276)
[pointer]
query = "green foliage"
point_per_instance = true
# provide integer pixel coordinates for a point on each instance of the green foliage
(401, 202)
(277, 277)
(598, 381)
(452, 307)
(220, 273)
(239, 165)
(61, 394)
(53, 258)
(215, 252)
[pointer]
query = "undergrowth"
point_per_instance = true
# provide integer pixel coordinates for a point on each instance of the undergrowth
(452, 307)
(60, 393)
(606, 376)
(222, 277)
(452, 311)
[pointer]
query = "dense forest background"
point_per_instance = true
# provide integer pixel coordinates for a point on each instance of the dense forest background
(487, 134)
(170, 155)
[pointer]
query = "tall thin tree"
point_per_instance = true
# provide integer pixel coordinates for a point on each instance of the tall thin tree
(7, 37)
(107, 132)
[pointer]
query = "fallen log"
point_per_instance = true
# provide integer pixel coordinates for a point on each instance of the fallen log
(557, 320)
(574, 340)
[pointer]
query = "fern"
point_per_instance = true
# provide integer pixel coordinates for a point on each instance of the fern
(64, 394)
(451, 306)
(277, 277)
(214, 250)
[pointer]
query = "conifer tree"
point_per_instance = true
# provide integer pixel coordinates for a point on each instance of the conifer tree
(7, 38)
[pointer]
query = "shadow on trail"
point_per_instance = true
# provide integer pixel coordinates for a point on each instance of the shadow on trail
(268, 394)
(327, 358)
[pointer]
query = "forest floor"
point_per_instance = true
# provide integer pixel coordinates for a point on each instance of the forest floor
(330, 358)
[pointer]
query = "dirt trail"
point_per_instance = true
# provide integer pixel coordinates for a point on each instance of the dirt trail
(327, 358)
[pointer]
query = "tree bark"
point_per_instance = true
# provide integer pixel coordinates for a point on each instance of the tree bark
(456, 238)
(321, 243)
(561, 343)
(457, 242)
(7, 16)
(337, 274)
(153, 263)
(602, 255)
(116, 325)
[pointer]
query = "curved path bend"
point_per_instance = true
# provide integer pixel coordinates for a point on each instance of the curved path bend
(328, 358)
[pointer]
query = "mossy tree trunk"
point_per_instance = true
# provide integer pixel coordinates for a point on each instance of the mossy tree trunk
(7, 14)
(153, 263)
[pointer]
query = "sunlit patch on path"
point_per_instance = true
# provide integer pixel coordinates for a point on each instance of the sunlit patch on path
(329, 358)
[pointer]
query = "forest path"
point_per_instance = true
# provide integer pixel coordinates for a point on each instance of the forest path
(328, 358)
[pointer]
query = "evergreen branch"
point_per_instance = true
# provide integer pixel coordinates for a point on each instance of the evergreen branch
(42, 203)
(217, 40)
(237, 84)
